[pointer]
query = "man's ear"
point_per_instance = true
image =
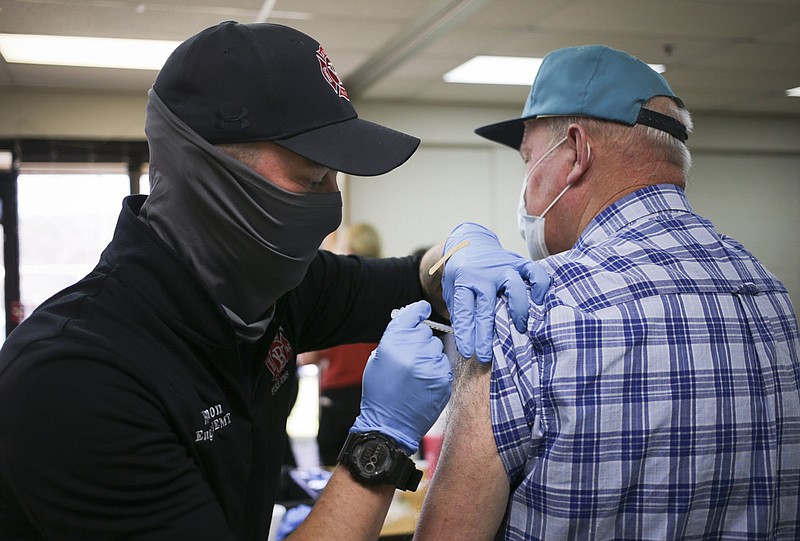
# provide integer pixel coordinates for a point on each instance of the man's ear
(578, 137)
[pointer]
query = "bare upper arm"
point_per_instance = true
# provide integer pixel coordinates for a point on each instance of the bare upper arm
(467, 497)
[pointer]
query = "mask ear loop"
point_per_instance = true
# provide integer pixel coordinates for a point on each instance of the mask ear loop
(545, 211)
(530, 171)
(568, 186)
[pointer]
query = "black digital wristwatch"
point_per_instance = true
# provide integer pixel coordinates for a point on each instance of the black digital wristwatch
(376, 459)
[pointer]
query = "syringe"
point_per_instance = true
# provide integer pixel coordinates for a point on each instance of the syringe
(441, 327)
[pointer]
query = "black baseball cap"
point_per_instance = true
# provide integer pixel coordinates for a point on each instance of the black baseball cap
(234, 83)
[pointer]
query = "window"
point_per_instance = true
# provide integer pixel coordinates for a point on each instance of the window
(65, 222)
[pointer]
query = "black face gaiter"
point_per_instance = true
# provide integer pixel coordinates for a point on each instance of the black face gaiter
(248, 240)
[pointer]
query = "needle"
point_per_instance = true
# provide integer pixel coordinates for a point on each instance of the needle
(432, 324)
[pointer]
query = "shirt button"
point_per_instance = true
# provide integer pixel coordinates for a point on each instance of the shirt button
(748, 288)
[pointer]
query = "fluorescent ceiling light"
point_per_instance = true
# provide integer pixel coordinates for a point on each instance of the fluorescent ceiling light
(503, 70)
(793, 92)
(141, 54)
(495, 70)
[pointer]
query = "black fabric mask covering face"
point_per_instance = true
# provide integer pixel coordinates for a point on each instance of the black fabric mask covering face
(248, 240)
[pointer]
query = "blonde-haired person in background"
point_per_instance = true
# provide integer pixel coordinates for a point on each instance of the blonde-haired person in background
(361, 239)
(342, 367)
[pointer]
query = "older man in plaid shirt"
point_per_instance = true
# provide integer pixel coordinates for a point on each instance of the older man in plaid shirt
(656, 391)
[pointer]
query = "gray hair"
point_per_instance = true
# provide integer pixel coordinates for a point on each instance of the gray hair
(638, 136)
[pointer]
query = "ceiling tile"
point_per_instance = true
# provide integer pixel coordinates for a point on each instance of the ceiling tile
(734, 56)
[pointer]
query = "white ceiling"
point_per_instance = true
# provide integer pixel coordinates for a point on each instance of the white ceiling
(736, 56)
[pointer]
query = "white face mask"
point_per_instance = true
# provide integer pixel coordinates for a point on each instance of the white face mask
(532, 227)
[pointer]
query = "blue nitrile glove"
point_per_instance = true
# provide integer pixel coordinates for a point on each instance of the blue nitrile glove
(406, 381)
(472, 279)
(291, 520)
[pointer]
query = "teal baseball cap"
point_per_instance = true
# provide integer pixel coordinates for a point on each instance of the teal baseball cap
(592, 81)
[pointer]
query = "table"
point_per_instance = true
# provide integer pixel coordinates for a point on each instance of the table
(401, 520)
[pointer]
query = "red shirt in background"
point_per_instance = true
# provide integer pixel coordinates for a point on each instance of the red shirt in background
(345, 366)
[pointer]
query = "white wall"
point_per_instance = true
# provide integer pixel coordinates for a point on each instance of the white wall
(746, 176)
(455, 176)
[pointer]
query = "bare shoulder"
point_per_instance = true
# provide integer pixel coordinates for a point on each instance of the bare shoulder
(469, 473)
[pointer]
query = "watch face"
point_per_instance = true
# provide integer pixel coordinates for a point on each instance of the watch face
(372, 458)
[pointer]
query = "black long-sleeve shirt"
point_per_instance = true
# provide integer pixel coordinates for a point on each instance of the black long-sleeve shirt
(127, 409)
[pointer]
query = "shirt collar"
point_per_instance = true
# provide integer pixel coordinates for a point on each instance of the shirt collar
(634, 206)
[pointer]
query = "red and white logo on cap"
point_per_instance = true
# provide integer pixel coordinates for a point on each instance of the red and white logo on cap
(279, 354)
(329, 72)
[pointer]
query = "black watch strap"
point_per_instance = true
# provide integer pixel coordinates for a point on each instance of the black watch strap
(408, 476)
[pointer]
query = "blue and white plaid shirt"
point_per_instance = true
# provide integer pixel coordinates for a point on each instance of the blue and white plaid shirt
(656, 394)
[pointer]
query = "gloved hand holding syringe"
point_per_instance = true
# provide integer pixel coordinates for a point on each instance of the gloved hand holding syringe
(441, 327)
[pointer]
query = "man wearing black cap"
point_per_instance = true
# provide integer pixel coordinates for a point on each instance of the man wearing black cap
(149, 400)
(656, 391)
